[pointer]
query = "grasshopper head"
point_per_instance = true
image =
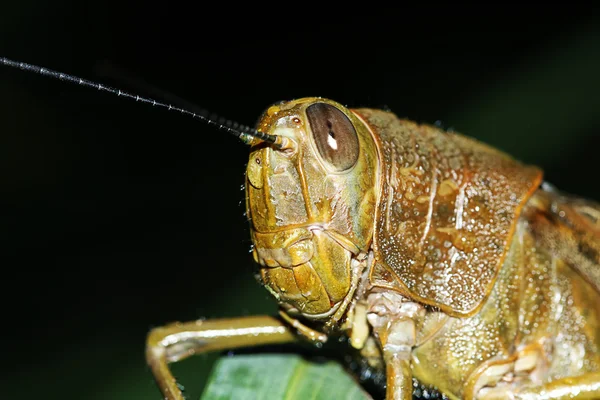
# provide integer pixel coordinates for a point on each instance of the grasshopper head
(311, 203)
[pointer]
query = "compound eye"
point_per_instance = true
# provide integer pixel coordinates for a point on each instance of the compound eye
(334, 135)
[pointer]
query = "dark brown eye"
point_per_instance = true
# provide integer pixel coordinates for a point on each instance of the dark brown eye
(334, 135)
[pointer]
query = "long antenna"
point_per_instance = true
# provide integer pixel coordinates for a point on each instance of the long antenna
(245, 133)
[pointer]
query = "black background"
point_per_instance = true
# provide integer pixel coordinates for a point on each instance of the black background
(118, 217)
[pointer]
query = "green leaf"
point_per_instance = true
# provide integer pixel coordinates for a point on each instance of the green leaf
(280, 376)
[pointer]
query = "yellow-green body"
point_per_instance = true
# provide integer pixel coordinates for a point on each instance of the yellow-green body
(439, 257)
(452, 228)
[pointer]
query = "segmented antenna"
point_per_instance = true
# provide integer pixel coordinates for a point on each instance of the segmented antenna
(245, 133)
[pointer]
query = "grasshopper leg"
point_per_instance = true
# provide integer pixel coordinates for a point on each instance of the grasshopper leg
(398, 378)
(393, 321)
(586, 386)
(177, 341)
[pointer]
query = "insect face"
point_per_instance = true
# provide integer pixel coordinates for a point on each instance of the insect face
(311, 203)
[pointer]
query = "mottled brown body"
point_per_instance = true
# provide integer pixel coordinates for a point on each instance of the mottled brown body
(447, 210)
(439, 257)
(540, 323)
(534, 252)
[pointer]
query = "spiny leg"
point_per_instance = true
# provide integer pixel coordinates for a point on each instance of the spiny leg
(177, 341)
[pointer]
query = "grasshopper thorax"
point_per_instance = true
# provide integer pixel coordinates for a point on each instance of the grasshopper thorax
(311, 203)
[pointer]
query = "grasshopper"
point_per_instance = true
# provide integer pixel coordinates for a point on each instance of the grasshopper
(438, 257)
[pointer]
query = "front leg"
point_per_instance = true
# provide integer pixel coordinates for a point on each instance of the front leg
(398, 376)
(392, 318)
(180, 340)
